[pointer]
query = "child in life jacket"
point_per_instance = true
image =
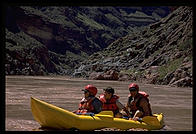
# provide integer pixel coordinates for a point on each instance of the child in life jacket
(138, 103)
(89, 103)
(111, 102)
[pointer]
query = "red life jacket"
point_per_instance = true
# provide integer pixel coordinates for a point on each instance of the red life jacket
(109, 105)
(134, 104)
(86, 106)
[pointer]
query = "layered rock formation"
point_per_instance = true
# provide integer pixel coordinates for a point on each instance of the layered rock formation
(159, 54)
(56, 39)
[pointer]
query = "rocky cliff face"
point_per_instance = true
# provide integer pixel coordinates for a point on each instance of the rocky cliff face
(80, 29)
(159, 54)
(43, 40)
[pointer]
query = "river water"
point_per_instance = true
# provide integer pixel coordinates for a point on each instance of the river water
(175, 103)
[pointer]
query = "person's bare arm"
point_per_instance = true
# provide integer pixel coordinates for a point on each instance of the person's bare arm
(121, 106)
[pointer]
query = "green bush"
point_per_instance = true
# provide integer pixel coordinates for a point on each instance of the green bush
(89, 22)
(185, 45)
(169, 67)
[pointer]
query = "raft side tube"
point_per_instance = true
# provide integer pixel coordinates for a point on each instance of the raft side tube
(49, 115)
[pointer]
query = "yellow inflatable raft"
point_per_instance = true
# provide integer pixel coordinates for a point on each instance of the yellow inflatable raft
(52, 116)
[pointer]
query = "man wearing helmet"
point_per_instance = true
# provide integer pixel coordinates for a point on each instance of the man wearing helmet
(90, 103)
(111, 102)
(138, 103)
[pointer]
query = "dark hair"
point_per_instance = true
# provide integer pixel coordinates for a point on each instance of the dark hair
(109, 90)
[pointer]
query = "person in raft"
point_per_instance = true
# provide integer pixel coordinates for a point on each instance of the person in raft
(89, 103)
(111, 102)
(138, 103)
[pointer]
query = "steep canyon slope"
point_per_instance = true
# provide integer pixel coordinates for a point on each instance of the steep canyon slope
(161, 53)
(54, 40)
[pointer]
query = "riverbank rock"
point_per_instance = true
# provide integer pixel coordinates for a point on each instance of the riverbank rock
(109, 75)
(124, 77)
(96, 76)
(183, 82)
(182, 77)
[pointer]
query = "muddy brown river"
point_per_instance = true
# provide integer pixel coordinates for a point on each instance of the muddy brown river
(175, 103)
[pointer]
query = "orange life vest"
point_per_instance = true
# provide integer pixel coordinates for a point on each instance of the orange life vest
(134, 104)
(109, 105)
(86, 106)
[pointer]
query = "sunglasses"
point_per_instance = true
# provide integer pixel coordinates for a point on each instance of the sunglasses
(132, 91)
(107, 93)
